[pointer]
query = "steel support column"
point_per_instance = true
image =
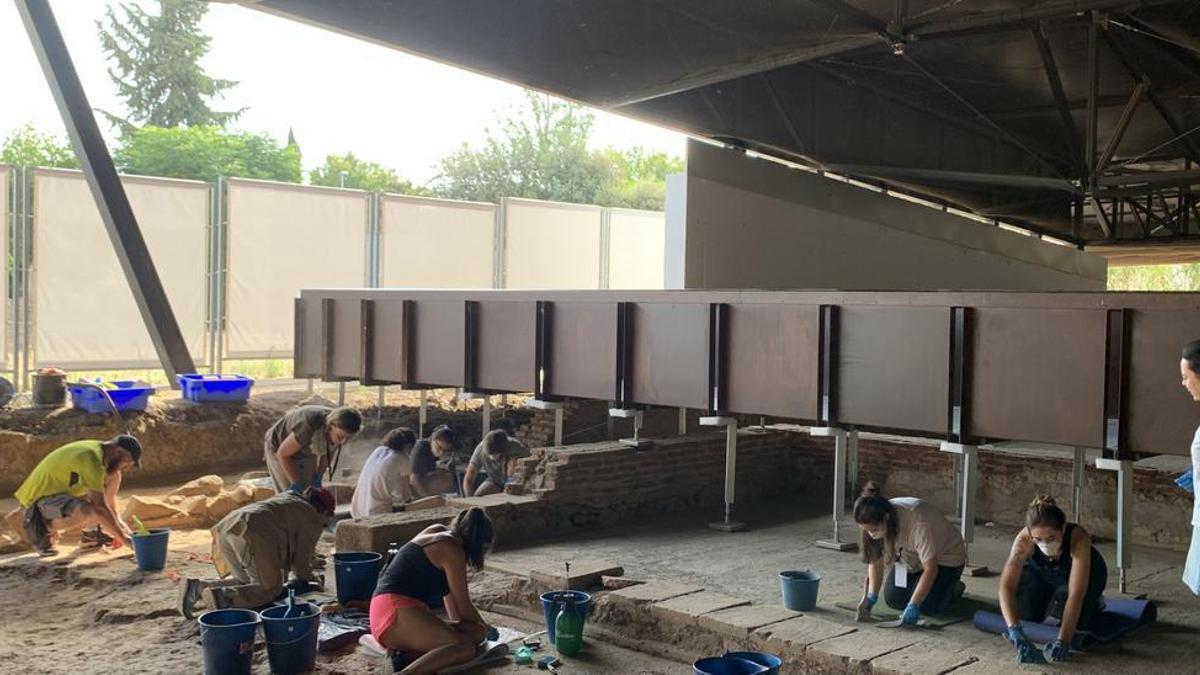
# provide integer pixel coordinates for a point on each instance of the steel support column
(1077, 483)
(839, 488)
(728, 524)
(852, 460)
(102, 178)
(1124, 470)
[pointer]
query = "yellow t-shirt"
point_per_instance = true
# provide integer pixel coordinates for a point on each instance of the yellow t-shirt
(75, 469)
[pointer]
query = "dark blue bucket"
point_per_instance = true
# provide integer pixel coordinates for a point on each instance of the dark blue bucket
(150, 550)
(799, 590)
(357, 573)
(227, 637)
(726, 665)
(769, 661)
(291, 642)
(553, 602)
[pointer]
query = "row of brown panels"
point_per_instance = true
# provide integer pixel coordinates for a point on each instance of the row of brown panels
(1084, 369)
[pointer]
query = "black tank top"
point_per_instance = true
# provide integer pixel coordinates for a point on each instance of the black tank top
(411, 573)
(1057, 570)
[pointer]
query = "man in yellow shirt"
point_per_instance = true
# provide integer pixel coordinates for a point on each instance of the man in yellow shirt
(76, 486)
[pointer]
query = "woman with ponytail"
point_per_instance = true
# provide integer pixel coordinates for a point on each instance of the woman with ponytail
(429, 569)
(1052, 571)
(912, 552)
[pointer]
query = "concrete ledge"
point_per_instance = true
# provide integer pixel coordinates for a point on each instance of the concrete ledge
(374, 533)
(854, 653)
(791, 638)
(653, 591)
(738, 622)
(585, 574)
(686, 609)
(918, 660)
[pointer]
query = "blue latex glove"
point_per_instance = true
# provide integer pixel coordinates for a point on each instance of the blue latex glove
(316, 481)
(1056, 651)
(872, 598)
(1185, 481)
(911, 614)
(1028, 653)
(1016, 636)
(297, 487)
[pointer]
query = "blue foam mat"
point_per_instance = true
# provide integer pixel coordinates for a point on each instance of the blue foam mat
(1120, 616)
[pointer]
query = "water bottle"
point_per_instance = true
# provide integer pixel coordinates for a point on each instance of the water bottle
(568, 628)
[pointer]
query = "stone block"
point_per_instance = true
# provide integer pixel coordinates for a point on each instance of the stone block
(617, 583)
(792, 637)
(209, 486)
(918, 660)
(195, 506)
(374, 533)
(221, 505)
(243, 493)
(738, 622)
(854, 652)
(585, 573)
(686, 609)
(148, 509)
(654, 591)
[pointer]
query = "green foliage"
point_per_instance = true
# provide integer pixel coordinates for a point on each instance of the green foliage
(205, 153)
(362, 175)
(1154, 278)
(155, 64)
(28, 146)
(541, 153)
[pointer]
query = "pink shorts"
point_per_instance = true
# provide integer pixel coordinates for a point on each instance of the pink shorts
(383, 612)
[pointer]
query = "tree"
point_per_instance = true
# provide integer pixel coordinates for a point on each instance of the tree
(205, 153)
(639, 178)
(28, 146)
(156, 66)
(539, 153)
(362, 175)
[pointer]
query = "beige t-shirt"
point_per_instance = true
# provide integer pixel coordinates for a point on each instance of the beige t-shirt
(924, 534)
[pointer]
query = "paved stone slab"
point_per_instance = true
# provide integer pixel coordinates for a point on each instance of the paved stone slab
(498, 499)
(654, 591)
(585, 573)
(919, 659)
(374, 533)
(686, 609)
(999, 668)
(793, 636)
(737, 622)
(854, 652)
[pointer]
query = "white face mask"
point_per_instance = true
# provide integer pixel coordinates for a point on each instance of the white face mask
(876, 534)
(1049, 548)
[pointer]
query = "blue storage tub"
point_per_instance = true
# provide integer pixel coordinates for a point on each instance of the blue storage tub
(128, 395)
(215, 388)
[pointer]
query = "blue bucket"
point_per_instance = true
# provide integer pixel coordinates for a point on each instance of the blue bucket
(291, 642)
(357, 573)
(799, 590)
(554, 601)
(227, 637)
(150, 550)
(769, 661)
(726, 665)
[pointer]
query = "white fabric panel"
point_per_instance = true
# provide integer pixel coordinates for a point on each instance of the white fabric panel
(5, 223)
(436, 243)
(84, 311)
(551, 245)
(636, 247)
(283, 238)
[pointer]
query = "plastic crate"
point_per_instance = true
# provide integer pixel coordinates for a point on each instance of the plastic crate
(128, 395)
(215, 388)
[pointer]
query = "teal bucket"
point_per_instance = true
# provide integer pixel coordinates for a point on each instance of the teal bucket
(554, 601)
(767, 660)
(291, 641)
(357, 573)
(150, 550)
(227, 638)
(726, 665)
(799, 590)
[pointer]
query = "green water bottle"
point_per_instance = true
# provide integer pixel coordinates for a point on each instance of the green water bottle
(568, 629)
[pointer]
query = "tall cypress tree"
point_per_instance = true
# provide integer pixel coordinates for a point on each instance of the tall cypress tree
(155, 63)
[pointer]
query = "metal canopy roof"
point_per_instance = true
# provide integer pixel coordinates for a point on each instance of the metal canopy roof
(996, 106)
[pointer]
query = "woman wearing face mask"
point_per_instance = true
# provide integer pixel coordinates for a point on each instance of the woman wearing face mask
(1054, 571)
(911, 551)
(1189, 369)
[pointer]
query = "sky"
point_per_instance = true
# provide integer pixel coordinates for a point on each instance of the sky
(338, 94)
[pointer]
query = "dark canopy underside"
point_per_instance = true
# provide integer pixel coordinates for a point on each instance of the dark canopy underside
(983, 104)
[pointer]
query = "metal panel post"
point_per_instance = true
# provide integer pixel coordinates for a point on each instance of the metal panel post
(113, 203)
(487, 414)
(852, 461)
(27, 272)
(605, 248)
(839, 488)
(1077, 483)
(423, 412)
(1124, 469)
(222, 276)
(728, 524)
(499, 242)
(683, 421)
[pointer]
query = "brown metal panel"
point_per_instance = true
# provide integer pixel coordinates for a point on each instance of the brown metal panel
(894, 367)
(583, 350)
(439, 339)
(772, 360)
(506, 346)
(1038, 375)
(309, 339)
(345, 355)
(386, 341)
(1162, 417)
(670, 359)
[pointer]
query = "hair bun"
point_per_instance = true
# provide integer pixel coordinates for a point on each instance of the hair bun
(1042, 501)
(872, 489)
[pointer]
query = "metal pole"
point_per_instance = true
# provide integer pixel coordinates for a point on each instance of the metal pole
(1124, 520)
(487, 414)
(727, 524)
(1077, 482)
(683, 421)
(341, 393)
(852, 461)
(970, 463)
(558, 426)
(27, 263)
(839, 483)
(18, 223)
(422, 414)
(222, 274)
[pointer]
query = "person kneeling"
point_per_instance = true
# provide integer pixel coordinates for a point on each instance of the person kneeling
(257, 545)
(912, 551)
(1053, 571)
(431, 567)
